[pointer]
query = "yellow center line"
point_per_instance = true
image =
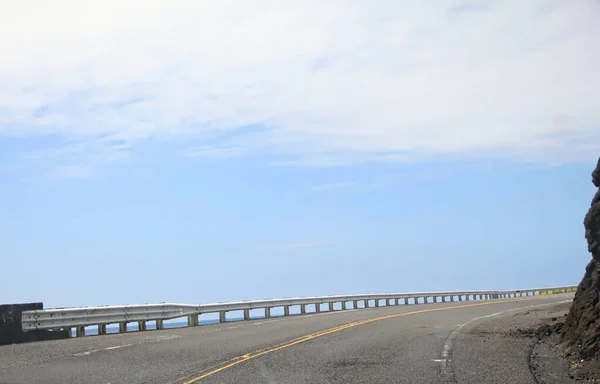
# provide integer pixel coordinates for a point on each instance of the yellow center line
(261, 352)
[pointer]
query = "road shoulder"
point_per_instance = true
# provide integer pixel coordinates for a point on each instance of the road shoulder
(513, 347)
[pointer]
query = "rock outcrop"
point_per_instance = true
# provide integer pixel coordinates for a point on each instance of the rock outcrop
(581, 330)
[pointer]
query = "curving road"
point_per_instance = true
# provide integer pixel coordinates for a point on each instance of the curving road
(398, 344)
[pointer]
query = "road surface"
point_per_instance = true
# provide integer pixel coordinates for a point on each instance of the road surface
(397, 344)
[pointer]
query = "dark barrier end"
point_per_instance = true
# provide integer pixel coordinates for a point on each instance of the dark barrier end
(10, 325)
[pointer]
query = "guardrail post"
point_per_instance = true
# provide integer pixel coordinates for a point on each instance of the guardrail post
(303, 308)
(246, 314)
(192, 321)
(330, 307)
(376, 303)
(80, 331)
(286, 310)
(102, 329)
(343, 305)
(222, 317)
(366, 303)
(267, 312)
(388, 302)
(443, 299)
(318, 307)
(355, 304)
(452, 299)
(142, 325)
(160, 324)
(123, 327)
(406, 301)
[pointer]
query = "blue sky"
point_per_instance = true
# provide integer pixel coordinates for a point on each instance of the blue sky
(198, 152)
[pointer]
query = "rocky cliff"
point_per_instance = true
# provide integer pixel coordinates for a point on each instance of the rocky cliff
(581, 330)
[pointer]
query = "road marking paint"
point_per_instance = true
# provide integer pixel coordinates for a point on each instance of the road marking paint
(253, 355)
(265, 321)
(87, 353)
(117, 347)
(446, 360)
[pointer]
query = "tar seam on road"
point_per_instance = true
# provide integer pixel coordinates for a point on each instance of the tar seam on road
(447, 366)
(253, 355)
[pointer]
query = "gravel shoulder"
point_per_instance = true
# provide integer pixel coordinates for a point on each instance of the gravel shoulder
(517, 347)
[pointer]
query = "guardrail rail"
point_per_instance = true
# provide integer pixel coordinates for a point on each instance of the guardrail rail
(101, 316)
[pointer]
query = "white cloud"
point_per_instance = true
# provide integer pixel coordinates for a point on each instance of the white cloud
(69, 172)
(333, 82)
(212, 152)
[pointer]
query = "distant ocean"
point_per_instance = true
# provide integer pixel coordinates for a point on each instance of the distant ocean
(167, 324)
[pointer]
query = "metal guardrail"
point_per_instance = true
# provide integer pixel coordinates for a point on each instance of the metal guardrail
(101, 316)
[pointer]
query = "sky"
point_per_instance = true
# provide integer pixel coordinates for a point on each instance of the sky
(204, 151)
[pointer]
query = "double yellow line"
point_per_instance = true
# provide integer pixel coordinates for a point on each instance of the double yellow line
(253, 355)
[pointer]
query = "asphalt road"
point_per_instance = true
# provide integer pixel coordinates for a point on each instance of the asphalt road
(398, 344)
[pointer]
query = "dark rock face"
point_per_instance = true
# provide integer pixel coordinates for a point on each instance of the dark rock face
(581, 331)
